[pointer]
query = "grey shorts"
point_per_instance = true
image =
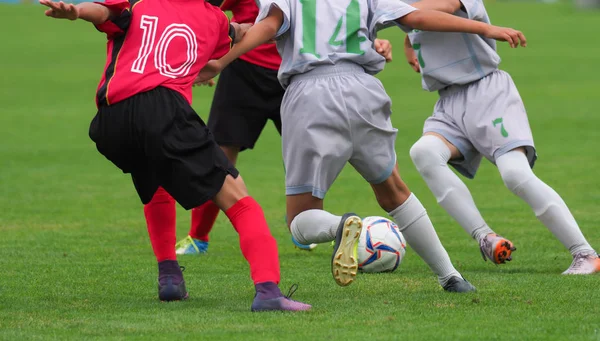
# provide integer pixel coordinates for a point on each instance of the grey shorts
(332, 115)
(485, 118)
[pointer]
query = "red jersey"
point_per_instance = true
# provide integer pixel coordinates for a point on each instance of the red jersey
(154, 43)
(246, 11)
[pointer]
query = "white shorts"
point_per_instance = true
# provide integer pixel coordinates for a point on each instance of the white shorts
(332, 115)
(485, 118)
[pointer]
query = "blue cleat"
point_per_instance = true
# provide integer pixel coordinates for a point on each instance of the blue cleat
(191, 246)
(299, 246)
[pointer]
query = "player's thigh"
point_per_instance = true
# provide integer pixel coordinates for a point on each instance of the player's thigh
(373, 136)
(447, 122)
(113, 129)
(146, 182)
(189, 163)
(244, 99)
(298, 203)
(495, 119)
(316, 141)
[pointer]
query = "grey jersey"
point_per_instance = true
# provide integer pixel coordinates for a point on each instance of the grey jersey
(455, 58)
(317, 32)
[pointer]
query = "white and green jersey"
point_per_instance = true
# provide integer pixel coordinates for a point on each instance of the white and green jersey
(455, 58)
(325, 32)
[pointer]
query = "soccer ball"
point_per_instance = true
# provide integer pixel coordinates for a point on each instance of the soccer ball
(381, 246)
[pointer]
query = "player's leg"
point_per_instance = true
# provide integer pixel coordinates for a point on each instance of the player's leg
(213, 177)
(310, 224)
(203, 218)
(549, 208)
(160, 220)
(374, 157)
(160, 214)
(243, 100)
(112, 130)
(503, 135)
(316, 147)
(411, 217)
(431, 155)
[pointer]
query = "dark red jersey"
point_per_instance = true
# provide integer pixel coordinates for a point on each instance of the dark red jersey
(154, 43)
(246, 11)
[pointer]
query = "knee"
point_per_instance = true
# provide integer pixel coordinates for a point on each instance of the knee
(161, 196)
(391, 193)
(427, 152)
(515, 177)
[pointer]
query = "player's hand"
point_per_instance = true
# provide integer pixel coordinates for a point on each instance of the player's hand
(210, 83)
(384, 48)
(60, 10)
(210, 71)
(411, 56)
(240, 31)
(513, 37)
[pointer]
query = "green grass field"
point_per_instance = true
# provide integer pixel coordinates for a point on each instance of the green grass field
(76, 261)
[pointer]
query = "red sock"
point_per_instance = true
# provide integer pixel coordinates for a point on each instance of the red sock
(203, 220)
(160, 217)
(257, 244)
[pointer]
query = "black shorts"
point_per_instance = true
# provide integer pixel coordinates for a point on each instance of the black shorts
(246, 97)
(158, 138)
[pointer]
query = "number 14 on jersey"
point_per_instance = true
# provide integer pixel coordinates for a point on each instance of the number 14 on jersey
(351, 17)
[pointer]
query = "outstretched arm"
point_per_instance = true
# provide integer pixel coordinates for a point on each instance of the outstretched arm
(428, 20)
(88, 11)
(257, 35)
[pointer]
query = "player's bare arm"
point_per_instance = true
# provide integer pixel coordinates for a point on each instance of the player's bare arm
(428, 20)
(88, 11)
(446, 6)
(240, 31)
(411, 56)
(257, 35)
(384, 48)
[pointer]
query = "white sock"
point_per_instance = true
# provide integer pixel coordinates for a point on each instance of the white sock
(547, 205)
(430, 155)
(414, 223)
(314, 226)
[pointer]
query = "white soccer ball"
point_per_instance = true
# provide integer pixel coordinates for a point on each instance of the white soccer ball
(381, 246)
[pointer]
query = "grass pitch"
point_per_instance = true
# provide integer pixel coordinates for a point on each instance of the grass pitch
(77, 264)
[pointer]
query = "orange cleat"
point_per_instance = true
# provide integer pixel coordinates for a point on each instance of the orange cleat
(496, 248)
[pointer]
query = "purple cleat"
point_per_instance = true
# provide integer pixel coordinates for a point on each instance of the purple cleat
(171, 286)
(269, 298)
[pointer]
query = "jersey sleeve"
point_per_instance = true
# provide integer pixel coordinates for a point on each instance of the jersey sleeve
(226, 5)
(384, 13)
(265, 7)
(225, 36)
(474, 9)
(118, 25)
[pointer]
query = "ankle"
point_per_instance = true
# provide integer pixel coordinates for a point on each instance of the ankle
(267, 290)
(169, 267)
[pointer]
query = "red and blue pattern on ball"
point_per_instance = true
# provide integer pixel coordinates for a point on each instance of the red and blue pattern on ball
(376, 249)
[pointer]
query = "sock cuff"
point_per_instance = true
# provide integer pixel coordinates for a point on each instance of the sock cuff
(246, 203)
(409, 212)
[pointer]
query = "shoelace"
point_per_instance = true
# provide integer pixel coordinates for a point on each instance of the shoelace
(484, 246)
(292, 290)
(578, 261)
